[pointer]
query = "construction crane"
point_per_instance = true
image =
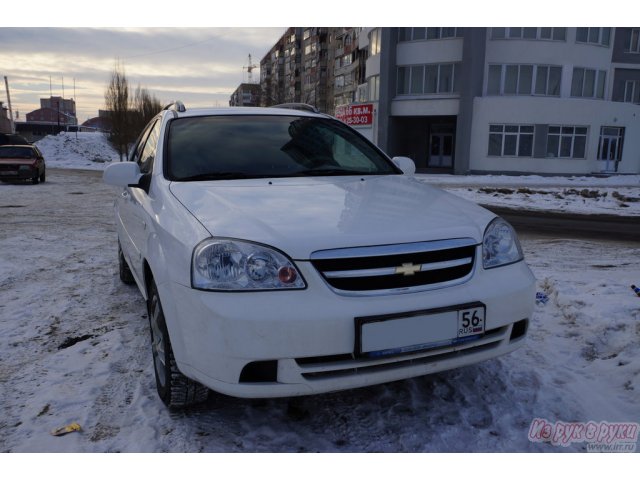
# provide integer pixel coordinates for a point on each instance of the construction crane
(13, 127)
(249, 68)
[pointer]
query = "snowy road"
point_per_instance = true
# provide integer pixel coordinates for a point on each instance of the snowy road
(74, 348)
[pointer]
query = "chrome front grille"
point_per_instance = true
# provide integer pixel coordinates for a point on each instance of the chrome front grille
(397, 268)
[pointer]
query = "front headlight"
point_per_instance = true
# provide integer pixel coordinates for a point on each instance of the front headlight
(500, 245)
(226, 264)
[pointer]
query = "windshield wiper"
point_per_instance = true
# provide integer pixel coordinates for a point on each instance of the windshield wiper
(218, 176)
(321, 172)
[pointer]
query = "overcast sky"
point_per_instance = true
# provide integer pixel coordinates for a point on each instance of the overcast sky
(200, 66)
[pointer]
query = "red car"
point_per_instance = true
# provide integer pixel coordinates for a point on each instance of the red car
(21, 162)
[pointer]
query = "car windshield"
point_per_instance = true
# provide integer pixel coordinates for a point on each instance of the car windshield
(16, 152)
(262, 146)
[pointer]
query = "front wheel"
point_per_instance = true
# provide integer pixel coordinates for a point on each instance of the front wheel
(43, 177)
(175, 390)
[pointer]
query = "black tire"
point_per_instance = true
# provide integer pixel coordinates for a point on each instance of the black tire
(36, 179)
(174, 389)
(125, 273)
(43, 176)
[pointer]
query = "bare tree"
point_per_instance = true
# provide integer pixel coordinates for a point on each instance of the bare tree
(116, 99)
(129, 115)
(144, 106)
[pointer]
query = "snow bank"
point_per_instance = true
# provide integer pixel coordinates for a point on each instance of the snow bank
(84, 150)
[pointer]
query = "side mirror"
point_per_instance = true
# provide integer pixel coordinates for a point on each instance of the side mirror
(122, 174)
(405, 164)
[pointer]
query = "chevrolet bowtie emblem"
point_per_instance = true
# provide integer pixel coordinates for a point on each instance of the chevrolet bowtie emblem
(408, 269)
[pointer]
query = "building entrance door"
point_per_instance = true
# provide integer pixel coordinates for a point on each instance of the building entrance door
(441, 150)
(610, 148)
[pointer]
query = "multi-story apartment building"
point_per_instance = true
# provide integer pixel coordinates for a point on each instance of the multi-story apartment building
(534, 99)
(314, 71)
(272, 79)
(348, 65)
(246, 95)
(314, 65)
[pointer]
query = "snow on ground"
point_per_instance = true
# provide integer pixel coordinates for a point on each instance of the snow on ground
(613, 195)
(74, 347)
(586, 201)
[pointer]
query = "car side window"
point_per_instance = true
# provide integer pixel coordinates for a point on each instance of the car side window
(134, 156)
(149, 151)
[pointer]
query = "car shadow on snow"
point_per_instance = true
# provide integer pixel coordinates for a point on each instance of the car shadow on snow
(488, 407)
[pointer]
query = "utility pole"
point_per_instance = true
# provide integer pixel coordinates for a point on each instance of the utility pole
(6, 84)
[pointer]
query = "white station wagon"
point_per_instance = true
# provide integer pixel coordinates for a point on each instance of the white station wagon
(281, 253)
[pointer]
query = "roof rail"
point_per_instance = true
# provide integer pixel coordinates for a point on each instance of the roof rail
(178, 106)
(297, 106)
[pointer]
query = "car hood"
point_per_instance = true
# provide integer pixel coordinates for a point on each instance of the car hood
(303, 215)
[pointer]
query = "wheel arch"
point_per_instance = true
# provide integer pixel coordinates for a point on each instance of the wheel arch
(155, 269)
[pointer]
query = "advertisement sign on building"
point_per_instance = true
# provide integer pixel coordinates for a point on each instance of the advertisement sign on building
(356, 115)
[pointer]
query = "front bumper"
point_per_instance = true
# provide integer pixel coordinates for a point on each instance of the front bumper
(308, 336)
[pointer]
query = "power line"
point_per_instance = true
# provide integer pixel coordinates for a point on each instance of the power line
(170, 49)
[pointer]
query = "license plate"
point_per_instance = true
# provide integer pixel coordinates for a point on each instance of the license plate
(414, 331)
(470, 322)
(8, 173)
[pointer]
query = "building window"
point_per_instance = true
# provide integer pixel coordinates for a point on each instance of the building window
(306, 34)
(588, 83)
(374, 42)
(524, 80)
(374, 88)
(408, 34)
(511, 140)
(428, 79)
(347, 40)
(548, 80)
(340, 81)
(529, 33)
(594, 35)
(632, 91)
(634, 43)
(565, 141)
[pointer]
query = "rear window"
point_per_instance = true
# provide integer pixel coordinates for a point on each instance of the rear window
(255, 146)
(17, 152)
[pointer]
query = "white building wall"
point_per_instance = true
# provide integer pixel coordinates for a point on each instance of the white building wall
(419, 52)
(416, 106)
(567, 54)
(529, 110)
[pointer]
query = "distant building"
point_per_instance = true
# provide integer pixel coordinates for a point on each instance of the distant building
(246, 95)
(100, 123)
(54, 110)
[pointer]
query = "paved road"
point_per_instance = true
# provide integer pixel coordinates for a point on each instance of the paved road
(604, 227)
